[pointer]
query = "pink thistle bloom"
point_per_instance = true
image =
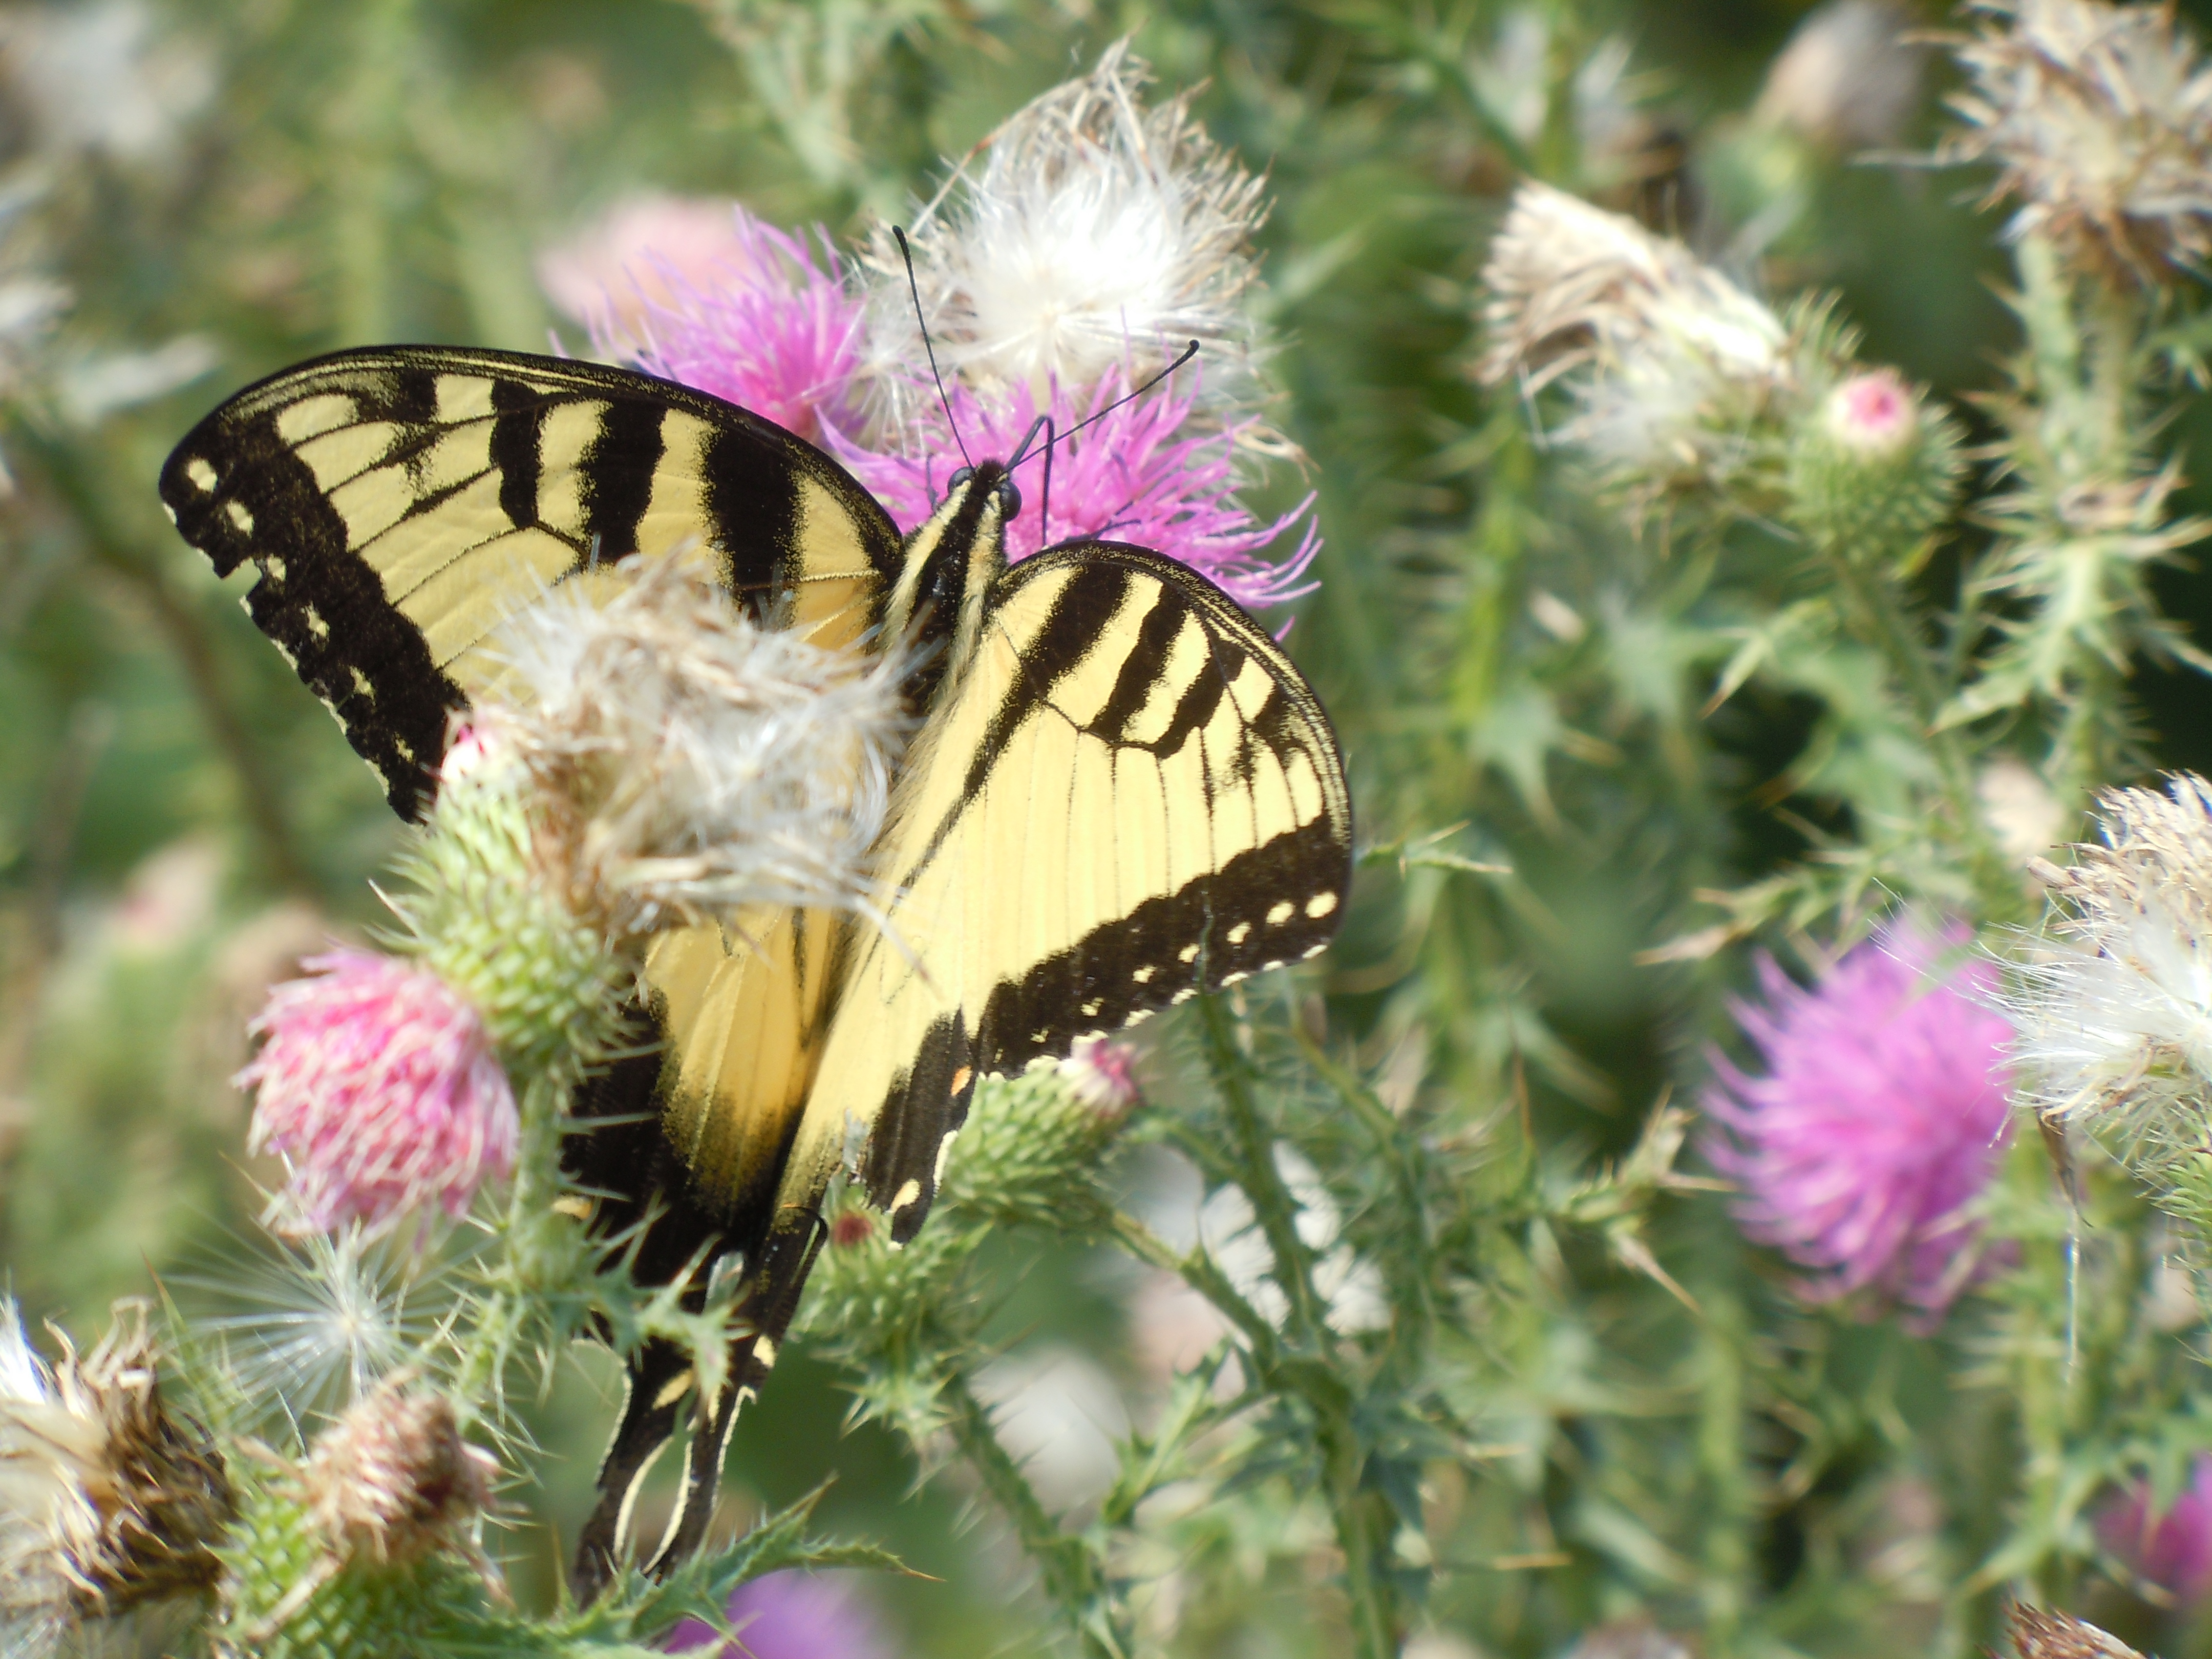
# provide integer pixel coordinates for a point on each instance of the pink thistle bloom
(1877, 1123)
(1873, 414)
(1103, 1075)
(606, 273)
(378, 1083)
(2173, 1550)
(791, 1615)
(764, 323)
(1129, 478)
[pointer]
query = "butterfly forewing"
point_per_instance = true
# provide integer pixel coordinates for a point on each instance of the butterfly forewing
(401, 503)
(1129, 796)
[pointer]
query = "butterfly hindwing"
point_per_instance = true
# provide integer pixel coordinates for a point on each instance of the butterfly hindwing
(1129, 796)
(401, 502)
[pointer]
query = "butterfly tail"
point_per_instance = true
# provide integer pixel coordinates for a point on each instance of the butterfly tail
(663, 1391)
(786, 1261)
(658, 1390)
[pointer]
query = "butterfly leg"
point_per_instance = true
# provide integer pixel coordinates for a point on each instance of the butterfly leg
(659, 1388)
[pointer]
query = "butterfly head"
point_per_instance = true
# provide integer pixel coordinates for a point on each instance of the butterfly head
(952, 562)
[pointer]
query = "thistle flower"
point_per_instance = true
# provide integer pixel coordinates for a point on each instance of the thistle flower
(2114, 1006)
(2039, 1633)
(1101, 1073)
(768, 323)
(2100, 120)
(2171, 1548)
(1139, 475)
(1086, 235)
(393, 1479)
(607, 274)
(108, 1499)
(691, 763)
(1669, 361)
(380, 1086)
(1877, 1122)
(1871, 471)
(791, 1615)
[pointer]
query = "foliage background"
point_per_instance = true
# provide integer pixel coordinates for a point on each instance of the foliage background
(178, 821)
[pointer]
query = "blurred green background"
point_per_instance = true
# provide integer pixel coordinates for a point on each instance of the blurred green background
(199, 194)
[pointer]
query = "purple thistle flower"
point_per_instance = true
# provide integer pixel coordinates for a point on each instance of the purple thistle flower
(378, 1082)
(1878, 1121)
(2173, 1550)
(791, 1615)
(1129, 478)
(764, 324)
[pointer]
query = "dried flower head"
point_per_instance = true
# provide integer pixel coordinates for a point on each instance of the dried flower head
(2114, 1006)
(1669, 361)
(768, 324)
(380, 1086)
(107, 1498)
(1087, 233)
(1877, 1122)
(1848, 78)
(1139, 475)
(2170, 1548)
(393, 1479)
(694, 762)
(2100, 120)
(2039, 1633)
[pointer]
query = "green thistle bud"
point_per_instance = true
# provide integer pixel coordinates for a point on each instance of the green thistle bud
(1029, 1153)
(495, 923)
(1872, 472)
(365, 1551)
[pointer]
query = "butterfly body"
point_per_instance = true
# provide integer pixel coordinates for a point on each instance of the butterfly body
(1118, 793)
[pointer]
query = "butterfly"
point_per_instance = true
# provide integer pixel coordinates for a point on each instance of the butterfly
(1119, 793)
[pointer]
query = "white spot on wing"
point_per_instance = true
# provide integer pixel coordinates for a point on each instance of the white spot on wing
(1320, 905)
(1144, 974)
(1280, 912)
(1189, 953)
(1183, 996)
(1240, 933)
(907, 1195)
(240, 515)
(201, 472)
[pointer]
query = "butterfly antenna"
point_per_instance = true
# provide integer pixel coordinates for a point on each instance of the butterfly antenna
(1022, 454)
(914, 288)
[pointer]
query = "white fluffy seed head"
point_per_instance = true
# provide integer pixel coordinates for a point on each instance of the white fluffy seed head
(1666, 353)
(695, 763)
(2114, 1006)
(1087, 233)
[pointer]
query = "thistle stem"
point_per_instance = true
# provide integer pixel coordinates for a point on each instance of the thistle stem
(1311, 1369)
(1074, 1577)
(1878, 616)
